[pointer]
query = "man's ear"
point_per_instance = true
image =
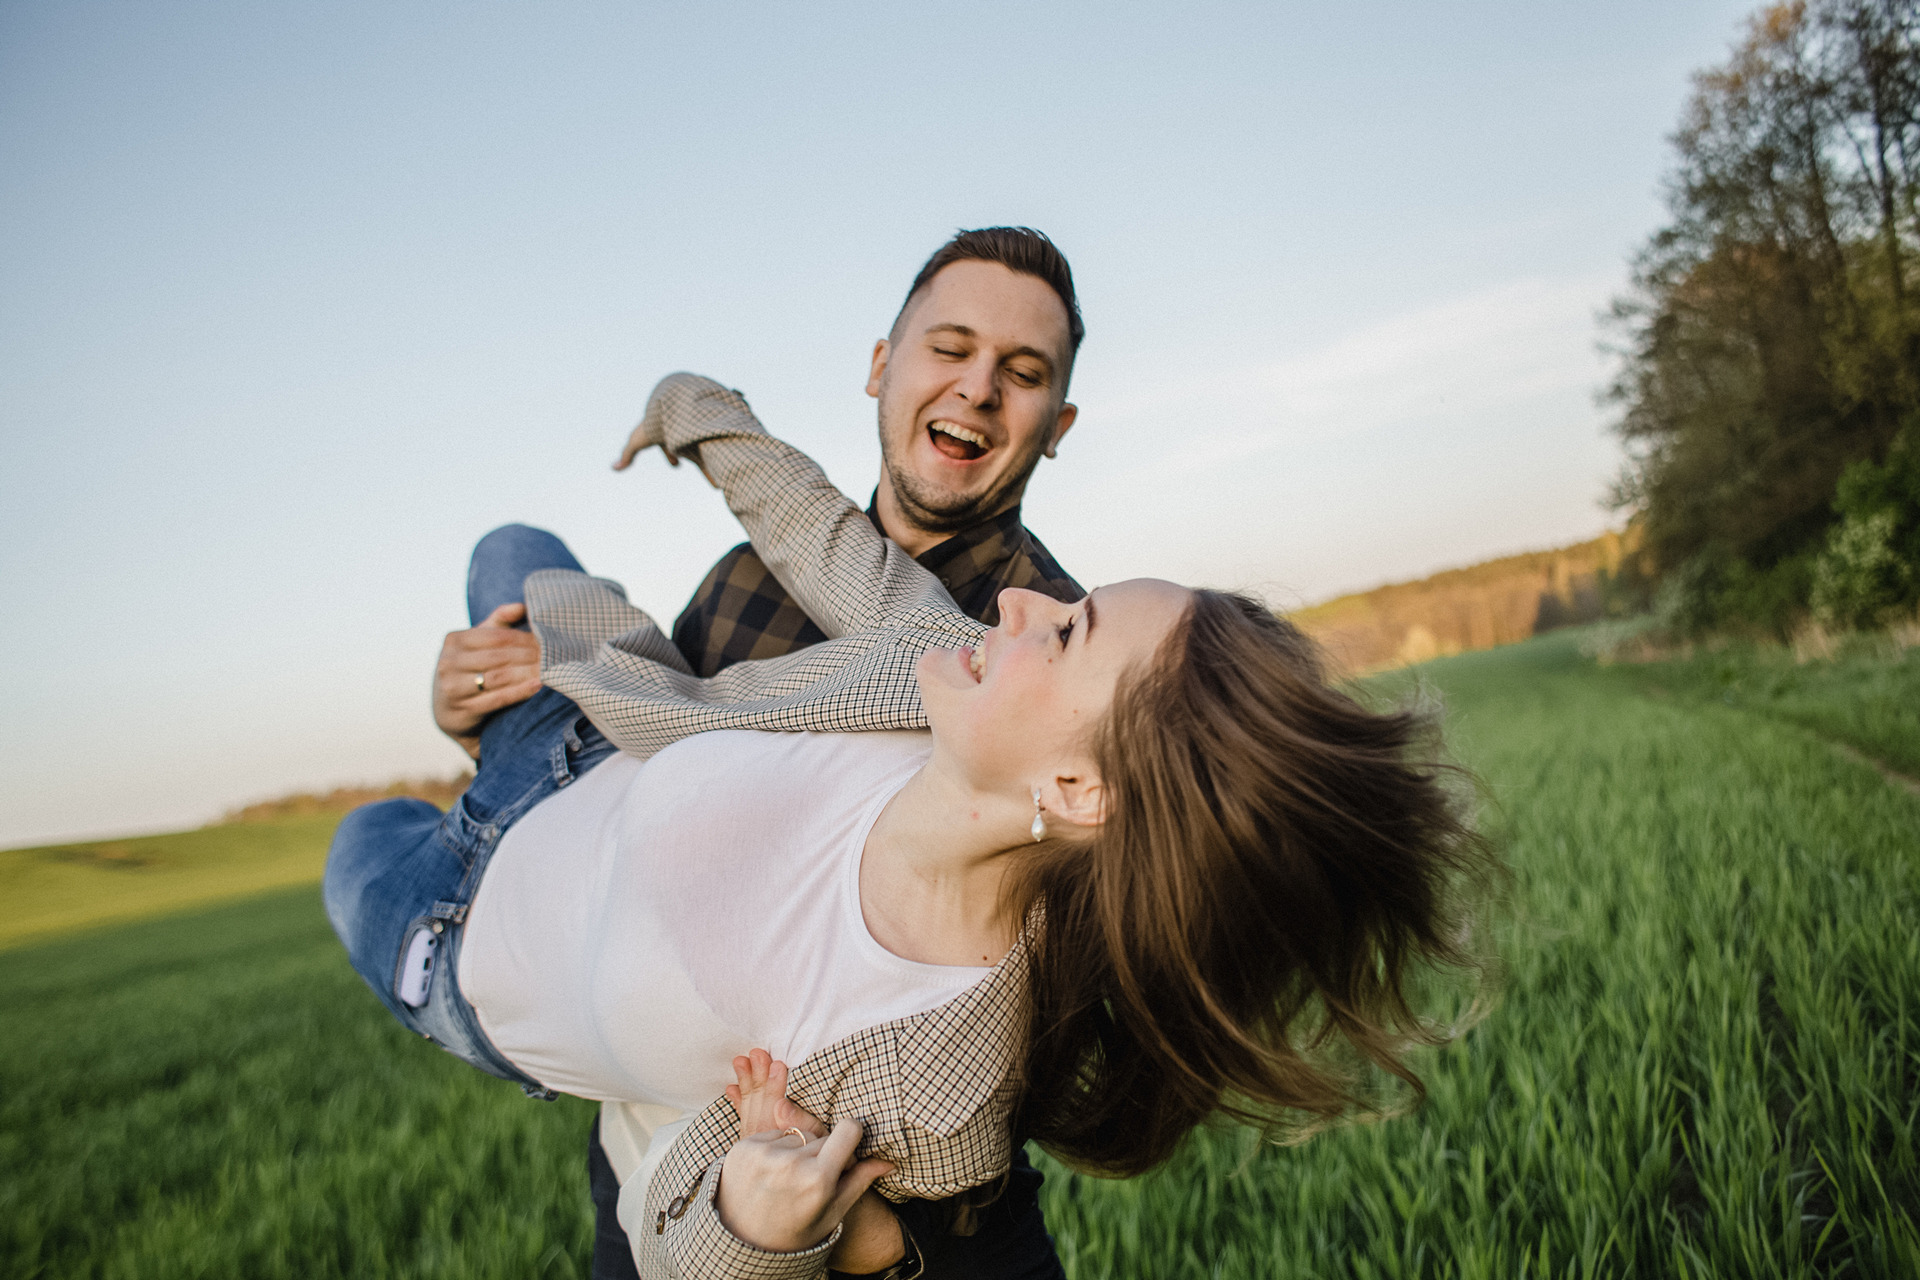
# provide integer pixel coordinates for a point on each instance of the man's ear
(1080, 800)
(879, 366)
(1061, 425)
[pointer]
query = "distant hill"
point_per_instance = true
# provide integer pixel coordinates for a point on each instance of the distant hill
(440, 791)
(1493, 603)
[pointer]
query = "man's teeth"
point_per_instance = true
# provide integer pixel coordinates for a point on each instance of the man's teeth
(958, 432)
(977, 661)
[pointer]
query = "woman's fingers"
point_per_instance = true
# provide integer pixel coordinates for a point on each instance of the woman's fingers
(642, 437)
(759, 1094)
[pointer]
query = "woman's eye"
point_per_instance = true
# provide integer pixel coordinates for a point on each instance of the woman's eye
(1066, 632)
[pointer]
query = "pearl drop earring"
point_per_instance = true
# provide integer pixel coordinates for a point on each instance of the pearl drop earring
(1039, 827)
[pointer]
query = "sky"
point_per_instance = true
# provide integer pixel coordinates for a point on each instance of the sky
(298, 300)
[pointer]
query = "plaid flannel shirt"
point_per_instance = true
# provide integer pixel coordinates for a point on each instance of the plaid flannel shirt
(741, 612)
(936, 1090)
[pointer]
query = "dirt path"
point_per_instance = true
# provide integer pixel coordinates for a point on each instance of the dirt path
(1909, 785)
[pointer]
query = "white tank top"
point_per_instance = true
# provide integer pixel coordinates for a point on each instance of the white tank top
(640, 927)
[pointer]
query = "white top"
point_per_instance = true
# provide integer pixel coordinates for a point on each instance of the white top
(642, 926)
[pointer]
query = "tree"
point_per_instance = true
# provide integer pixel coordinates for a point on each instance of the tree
(1771, 334)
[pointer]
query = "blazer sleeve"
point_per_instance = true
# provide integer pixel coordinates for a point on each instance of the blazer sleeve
(821, 547)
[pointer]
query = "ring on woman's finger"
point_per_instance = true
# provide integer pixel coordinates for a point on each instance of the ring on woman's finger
(480, 682)
(797, 1132)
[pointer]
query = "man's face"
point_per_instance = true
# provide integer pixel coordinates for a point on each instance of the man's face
(972, 391)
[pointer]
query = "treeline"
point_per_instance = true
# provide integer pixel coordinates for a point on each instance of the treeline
(439, 791)
(1770, 391)
(1493, 603)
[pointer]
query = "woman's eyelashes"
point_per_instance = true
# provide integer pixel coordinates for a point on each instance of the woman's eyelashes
(1066, 632)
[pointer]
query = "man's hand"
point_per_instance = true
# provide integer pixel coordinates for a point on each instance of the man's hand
(873, 1239)
(481, 670)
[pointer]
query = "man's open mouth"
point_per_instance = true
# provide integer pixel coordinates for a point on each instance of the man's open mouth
(957, 442)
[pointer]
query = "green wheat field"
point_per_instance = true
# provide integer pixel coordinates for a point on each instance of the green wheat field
(1705, 1060)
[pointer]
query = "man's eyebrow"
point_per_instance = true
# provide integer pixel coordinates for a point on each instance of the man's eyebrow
(1034, 353)
(1087, 638)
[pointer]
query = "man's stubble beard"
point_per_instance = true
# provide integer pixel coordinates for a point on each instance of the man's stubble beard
(930, 511)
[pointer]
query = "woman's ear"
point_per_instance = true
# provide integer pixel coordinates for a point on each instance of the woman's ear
(1080, 800)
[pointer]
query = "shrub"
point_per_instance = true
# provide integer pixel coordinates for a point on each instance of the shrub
(1870, 568)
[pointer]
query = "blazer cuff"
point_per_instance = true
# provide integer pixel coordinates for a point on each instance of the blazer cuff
(701, 1248)
(692, 409)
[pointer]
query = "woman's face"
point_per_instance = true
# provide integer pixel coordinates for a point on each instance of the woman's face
(1017, 711)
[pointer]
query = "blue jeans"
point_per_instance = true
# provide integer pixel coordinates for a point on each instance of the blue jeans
(400, 866)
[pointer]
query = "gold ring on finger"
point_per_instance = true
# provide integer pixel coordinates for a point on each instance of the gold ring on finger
(797, 1132)
(480, 682)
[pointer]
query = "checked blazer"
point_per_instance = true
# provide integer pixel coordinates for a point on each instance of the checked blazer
(935, 1090)
(741, 612)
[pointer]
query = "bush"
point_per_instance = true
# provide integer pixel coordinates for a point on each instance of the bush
(1716, 590)
(1870, 568)
(1860, 580)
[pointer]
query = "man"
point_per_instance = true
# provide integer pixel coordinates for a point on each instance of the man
(971, 385)
(968, 406)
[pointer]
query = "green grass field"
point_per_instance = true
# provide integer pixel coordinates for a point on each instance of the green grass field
(1706, 1061)
(1867, 696)
(56, 890)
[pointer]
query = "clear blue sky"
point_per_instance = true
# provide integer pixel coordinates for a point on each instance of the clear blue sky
(296, 300)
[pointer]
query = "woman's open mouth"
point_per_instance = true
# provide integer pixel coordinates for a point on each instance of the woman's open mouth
(962, 444)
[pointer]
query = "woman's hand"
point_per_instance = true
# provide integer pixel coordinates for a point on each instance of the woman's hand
(872, 1239)
(481, 670)
(652, 431)
(783, 1194)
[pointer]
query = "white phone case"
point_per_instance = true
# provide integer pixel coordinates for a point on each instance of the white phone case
(416, 974)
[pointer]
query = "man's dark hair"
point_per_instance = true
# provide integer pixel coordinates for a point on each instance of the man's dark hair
(1019, 249)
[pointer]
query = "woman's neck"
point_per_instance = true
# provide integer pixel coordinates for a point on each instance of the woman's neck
(934, 869)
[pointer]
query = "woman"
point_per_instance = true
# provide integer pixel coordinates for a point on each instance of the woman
(1144, 864)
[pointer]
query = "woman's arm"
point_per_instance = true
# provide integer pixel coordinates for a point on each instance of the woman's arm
(820, 546)
(882, 608)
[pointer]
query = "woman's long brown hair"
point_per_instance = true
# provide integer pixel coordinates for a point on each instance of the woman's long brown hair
(1276, 863)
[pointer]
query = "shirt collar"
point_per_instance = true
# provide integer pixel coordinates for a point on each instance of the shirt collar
(970, 554)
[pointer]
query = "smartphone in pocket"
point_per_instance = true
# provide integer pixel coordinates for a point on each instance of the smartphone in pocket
(416, 971)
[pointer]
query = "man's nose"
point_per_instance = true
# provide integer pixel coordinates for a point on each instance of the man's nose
(979, 385)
